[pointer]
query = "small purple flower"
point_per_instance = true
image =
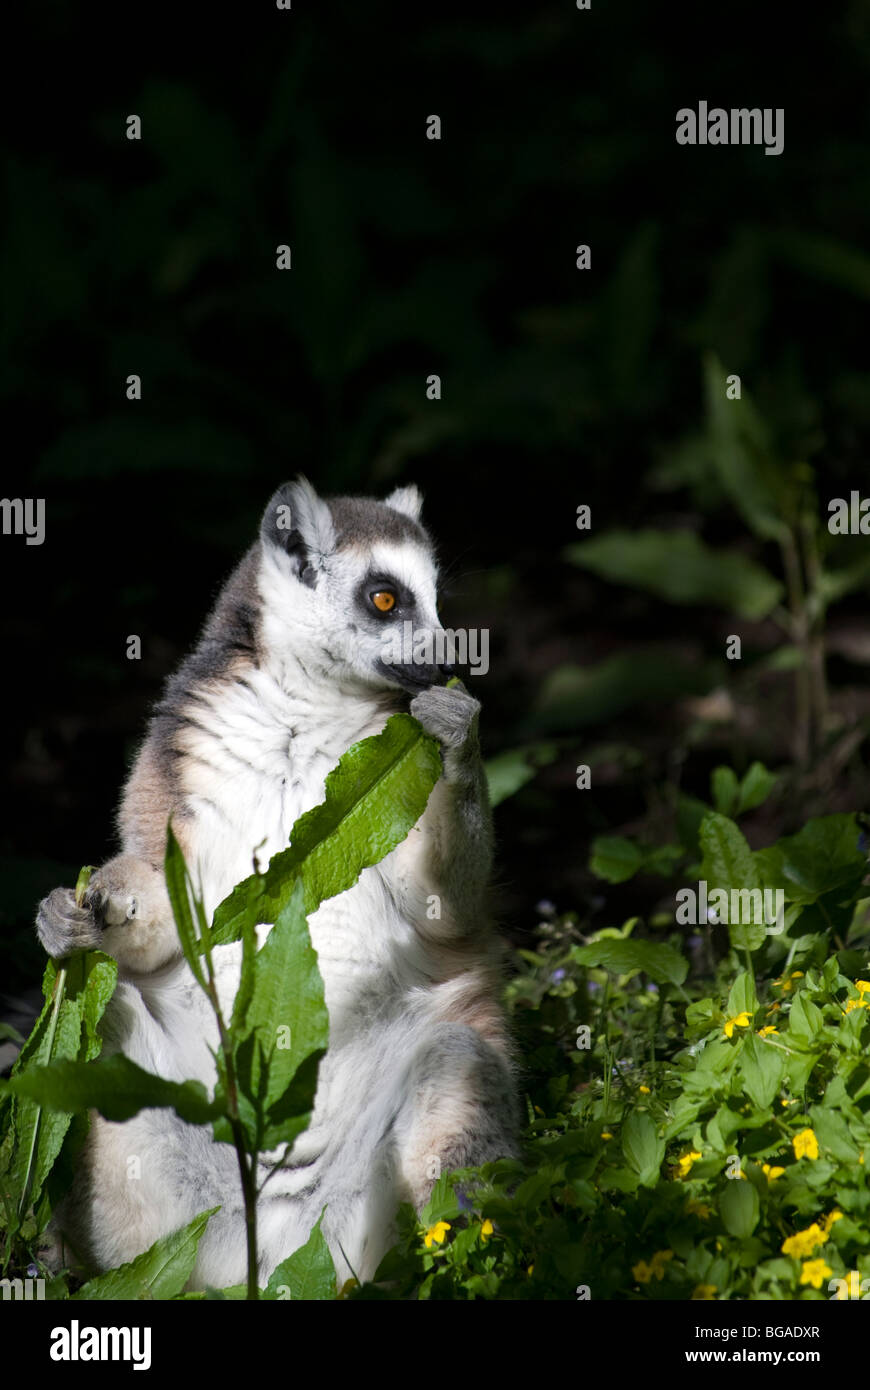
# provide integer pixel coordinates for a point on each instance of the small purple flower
(32, 1271)
(652, 988)
(694, 942)
(594, 987)
(545, 908)
(465, 1202)
(558, 974)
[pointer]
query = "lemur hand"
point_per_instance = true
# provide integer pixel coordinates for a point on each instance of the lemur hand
(448, 713)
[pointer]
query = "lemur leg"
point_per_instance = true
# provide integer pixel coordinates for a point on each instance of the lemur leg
(460, 1110)
(457, 849)
(125, 912)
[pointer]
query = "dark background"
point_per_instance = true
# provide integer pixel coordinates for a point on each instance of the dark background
(410, 257)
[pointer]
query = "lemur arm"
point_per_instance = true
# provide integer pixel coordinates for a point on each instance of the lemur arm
(455, 855)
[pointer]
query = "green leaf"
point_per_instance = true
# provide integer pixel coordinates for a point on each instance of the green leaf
(642, 1147)
(662, 963)
(373, 798)
(724, 790)
(287, 1013)
(805, 1018)
(742, 997)
(75, 995)
(762, 1067)
(614, 858)
(833, 1134)
(742, 454)
(160, 1272)
(509, 771)
(756, 786)
(679, 567)
(823, 857)
(177, 881)
(115, 1086)
(728, 864)
(308, 1273)
(739, 1208)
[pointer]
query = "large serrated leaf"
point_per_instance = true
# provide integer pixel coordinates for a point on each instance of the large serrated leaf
(662, 963)
(308, 1273)
(286, 1013)
(729, 866)
(160, 1272)
(115, 1086)
(373, 798)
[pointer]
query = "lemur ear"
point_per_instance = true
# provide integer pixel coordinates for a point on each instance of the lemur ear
(299, 522)
(407, 500)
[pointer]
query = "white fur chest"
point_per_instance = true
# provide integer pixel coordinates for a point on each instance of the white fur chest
(256, 759)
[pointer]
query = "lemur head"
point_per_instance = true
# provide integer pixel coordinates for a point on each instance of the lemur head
(348, 587)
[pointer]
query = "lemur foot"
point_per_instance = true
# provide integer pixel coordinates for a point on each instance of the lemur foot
(63, 928)
(450, 715)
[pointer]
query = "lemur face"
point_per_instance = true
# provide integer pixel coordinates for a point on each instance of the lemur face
(350, 588)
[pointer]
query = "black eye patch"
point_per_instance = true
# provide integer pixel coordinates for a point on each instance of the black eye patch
(374, 593)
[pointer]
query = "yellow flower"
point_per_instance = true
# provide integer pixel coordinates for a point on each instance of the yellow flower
(775, 1007)
(828, 1221)
(643, 1272)
(805, 1144)
(698, 1208)
(787, 984)
(815, 1272)
(862, 986)
(685, 1163)
(530, 1270)
(605, 1134)
(788, 1102)
(486, 1230)
(741, 1020)
(435, 1234)
(804, 1242)
(705, 1293)
(766, 1032)
(771, 1173)
(857, 1004)
(644, 1090)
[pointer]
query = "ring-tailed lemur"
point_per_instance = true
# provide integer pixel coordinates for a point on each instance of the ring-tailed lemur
(288, 673)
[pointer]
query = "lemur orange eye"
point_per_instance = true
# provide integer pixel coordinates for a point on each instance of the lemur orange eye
(384, 600)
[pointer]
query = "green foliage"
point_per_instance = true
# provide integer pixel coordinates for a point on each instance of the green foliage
(679, 567)
(682, 1129)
